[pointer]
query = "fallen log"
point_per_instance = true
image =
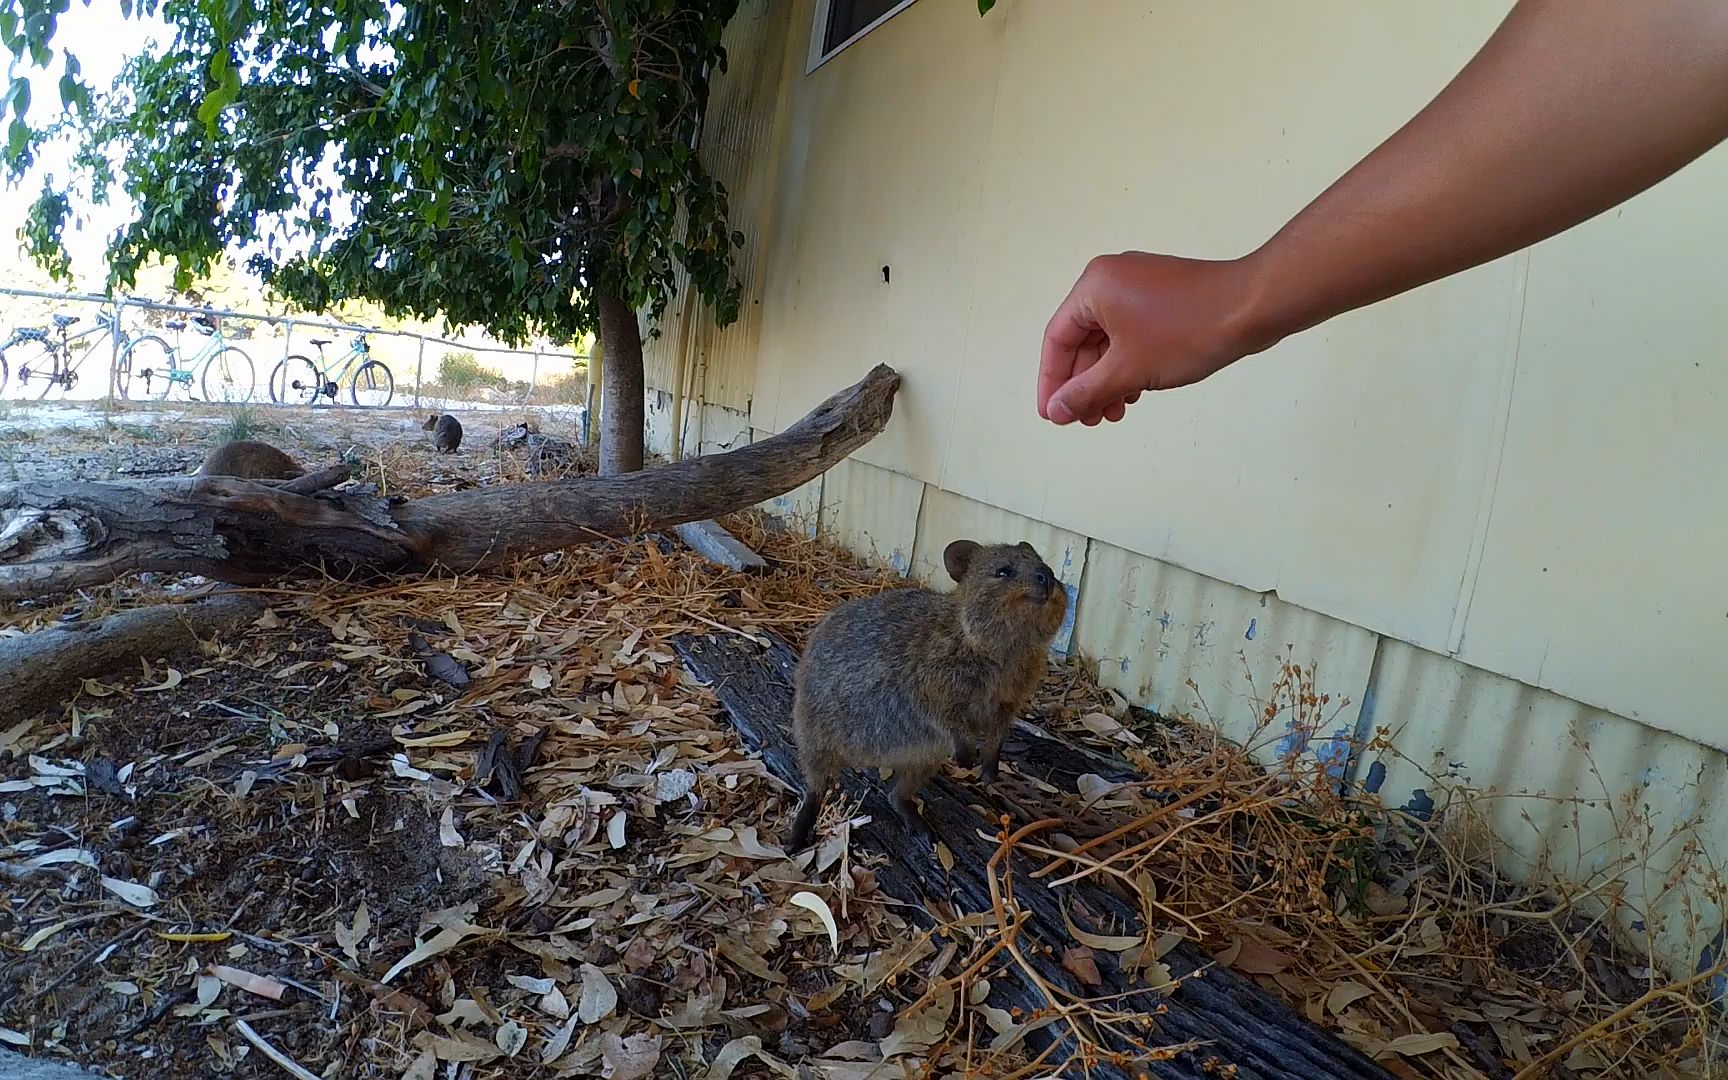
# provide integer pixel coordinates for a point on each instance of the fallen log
(1230, 1020)
(40, 668)
(55, 537)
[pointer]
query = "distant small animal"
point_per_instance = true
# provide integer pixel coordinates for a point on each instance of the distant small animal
(446, 432)
(250, 460)
(911, 678)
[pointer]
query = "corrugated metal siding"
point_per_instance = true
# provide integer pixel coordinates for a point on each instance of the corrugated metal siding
(947, 517)
(1571, 794)
(721, 429)
(1570, 789)
(802, 506)
(1153, 628)
(657, 422)
(738, 148)
(872, 511)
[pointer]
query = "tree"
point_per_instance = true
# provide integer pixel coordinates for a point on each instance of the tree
(531, 169)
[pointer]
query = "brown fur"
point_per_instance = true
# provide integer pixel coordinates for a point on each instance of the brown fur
(909, 679)
(250, 460)
(446, 432)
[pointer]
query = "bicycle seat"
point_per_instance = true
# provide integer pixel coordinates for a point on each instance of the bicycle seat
(319, 341)
(63, 321)
(175, 324)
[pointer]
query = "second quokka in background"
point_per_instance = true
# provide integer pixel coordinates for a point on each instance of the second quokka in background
(911, 678)
(446, 432)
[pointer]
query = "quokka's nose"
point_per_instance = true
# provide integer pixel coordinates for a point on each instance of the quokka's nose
(1042, 582)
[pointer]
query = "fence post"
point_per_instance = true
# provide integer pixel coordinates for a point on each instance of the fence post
(419, 369)
(287, 374)
(114, 351)
(596, 361)
(533, 378)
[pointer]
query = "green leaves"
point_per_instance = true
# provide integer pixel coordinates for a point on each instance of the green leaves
(984, 7)
(17, 140)
(18, 97)
(222, 94)
(492, 163)
(17, 102)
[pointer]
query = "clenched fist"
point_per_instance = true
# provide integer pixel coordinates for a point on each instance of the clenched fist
(1136, 322)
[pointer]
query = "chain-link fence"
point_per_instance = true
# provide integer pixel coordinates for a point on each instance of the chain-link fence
(74, 346)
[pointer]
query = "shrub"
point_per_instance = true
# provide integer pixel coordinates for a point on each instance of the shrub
(462, 370)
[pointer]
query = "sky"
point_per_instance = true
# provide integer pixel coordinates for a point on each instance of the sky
(102, 41)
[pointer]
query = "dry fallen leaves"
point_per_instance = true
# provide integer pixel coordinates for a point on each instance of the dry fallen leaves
(637, 880)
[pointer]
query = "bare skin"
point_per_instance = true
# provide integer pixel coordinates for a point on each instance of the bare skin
(1571, 108)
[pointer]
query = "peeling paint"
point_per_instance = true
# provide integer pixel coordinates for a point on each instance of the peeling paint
(1376, 778)
(1295, 740)
(1333, 753)
(1253, 628)
(1707, 959)
(1064, 643)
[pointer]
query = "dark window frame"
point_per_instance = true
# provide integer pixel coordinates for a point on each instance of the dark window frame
(837, 26)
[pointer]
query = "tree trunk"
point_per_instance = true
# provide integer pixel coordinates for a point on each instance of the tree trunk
(36, 669)
(55, 537)
(623, 390)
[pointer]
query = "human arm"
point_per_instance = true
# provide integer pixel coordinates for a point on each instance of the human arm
(1571, 108)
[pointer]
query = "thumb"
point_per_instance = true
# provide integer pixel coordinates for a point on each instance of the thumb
(1086, 395)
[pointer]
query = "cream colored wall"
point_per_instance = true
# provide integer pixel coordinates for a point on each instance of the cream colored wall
(1512, 466)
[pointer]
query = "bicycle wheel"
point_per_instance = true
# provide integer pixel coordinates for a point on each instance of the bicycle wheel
(29, 360)
(373, 385)
(72, 367)
(143, 369)
(295, 381)
(228, 377)
(61, 379)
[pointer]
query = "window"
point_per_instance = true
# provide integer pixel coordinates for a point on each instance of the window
(841, 22)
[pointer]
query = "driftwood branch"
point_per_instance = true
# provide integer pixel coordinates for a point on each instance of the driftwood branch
(1232, 1021)
(55, 537)
(39, 668)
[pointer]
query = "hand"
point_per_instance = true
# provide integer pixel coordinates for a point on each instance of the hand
(1136, 322)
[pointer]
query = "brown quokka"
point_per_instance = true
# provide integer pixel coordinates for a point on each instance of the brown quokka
(250, 460)
(446, 432)
(911, 678)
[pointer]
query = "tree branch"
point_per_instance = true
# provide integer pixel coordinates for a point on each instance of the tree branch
(57, 537)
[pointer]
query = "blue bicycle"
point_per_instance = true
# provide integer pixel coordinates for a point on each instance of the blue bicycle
(151, 365)
(299, 381)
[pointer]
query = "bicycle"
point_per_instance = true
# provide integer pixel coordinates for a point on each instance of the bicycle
(35, 353)
(296, 380)
(162, 366)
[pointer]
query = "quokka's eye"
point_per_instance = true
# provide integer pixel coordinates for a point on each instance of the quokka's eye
(1005, 572)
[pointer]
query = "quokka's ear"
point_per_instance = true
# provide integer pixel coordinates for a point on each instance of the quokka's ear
(958, 556)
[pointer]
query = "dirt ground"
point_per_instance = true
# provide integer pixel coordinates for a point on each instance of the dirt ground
(286, 817)
(487, 827)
